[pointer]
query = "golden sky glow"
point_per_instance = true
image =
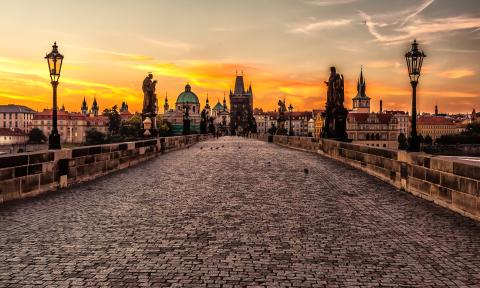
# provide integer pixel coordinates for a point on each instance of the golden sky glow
(284, 47)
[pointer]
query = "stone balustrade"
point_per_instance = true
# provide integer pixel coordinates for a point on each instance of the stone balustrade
(448, 182)
(29, 174)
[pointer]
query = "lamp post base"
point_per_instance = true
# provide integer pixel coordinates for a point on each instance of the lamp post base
(54, 141)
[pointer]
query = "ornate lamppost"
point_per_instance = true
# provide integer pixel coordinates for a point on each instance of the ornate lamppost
(290, 109)
(54, 60)
(414, 59)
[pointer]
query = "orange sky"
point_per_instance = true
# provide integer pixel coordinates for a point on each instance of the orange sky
(284, 47)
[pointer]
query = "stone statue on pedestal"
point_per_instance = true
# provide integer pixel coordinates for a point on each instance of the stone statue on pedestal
(335, 114)
(150, 102)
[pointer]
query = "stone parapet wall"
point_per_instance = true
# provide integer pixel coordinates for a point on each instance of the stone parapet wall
(29, 174)
(448, 182)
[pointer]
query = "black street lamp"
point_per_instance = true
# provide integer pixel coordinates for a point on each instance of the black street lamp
(54, 60)
(290, 109)
(414, 59)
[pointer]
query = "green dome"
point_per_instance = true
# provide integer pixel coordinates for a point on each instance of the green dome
(188, 96)
(218, 107)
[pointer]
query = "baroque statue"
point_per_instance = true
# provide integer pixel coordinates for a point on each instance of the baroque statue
(335, 114)
(150, 102)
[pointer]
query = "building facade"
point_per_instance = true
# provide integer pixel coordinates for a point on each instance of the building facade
(12, 136)
(373, 129)
(241, 107)
(16, 117)
(72, 126)
(436, 126)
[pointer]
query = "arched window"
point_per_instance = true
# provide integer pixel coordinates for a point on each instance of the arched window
(377, 136)
(193, 109)
(368, 136)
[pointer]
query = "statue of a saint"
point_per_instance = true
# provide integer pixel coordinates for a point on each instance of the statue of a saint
(335, 114)
(281, 107)
(148, 90)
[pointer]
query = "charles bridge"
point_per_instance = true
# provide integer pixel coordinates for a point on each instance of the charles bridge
(238, 212)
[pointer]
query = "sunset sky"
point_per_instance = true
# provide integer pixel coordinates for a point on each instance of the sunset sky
(283, 47)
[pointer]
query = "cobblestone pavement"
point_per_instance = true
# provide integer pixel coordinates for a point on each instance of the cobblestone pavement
(233, 213)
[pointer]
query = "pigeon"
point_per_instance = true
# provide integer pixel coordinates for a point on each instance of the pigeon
(305, 171)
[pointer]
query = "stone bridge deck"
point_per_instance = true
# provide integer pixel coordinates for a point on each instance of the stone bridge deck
(234, 213)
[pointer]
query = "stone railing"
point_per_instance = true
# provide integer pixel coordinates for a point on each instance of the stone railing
(29, 174)
(448, 182)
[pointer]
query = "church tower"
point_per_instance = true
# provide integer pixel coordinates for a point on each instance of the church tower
(165, 106)
(95, 107)
(84, 107)
(361, 102)
(207, 107)
(241, 107)
(436, 110)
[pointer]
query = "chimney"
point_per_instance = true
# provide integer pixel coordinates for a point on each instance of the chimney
(381, 106)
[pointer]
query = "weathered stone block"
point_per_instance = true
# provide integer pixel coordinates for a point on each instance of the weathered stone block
(468, 186)
(21, 171)
(30, 183)
(465, 202)
(418, 172)
(41, 157)
(10, 186)
(449, 180)
(79, 152)
(466, 170)
(6, 173)
(46, 178)
(13, 161)
(35, 169)
(93, 150)
(444, 194)
(102, 157)
(441, 165)
(432, 176)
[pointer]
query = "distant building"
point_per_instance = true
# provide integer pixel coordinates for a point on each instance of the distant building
(241, 107)
(319, 121)
(300, 122)
(361, 102)
(11, 136)
(373, 129)
(71, 126)
(403, 120)
(436, 126)
(175, 116)
(221, 116)
(16, 116)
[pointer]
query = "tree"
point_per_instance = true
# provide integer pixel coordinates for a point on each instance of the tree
(428, 140)
(114, 120)
(94, 137)
(36, 136)
(402, 142)
(131, 127)
(165, 129)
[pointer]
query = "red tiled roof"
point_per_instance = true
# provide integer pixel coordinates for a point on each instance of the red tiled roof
(11, 132)
(434, 120)
(61, 115)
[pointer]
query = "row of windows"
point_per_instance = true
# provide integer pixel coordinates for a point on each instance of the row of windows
(15, 115)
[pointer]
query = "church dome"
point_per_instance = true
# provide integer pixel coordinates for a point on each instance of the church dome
(218, 107)
(187, 96)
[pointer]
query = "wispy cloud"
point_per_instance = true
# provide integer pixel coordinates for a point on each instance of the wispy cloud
(115, 55)
(169, 44)
(328, 2)
(457, 73)
(320, 25)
